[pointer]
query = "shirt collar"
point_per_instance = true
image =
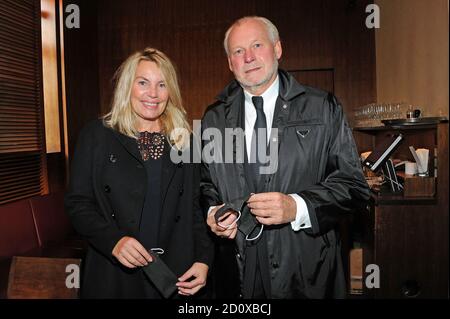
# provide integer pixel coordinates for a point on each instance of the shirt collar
(272, 90)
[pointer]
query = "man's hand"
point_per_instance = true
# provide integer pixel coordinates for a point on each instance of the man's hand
(198, 272)
(225, 232)
(130, 253)
(273, 208)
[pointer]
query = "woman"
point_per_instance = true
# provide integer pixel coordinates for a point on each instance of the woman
(127, 197)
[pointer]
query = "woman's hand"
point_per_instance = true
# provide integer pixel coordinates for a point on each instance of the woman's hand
(199, 272)
(130, 253)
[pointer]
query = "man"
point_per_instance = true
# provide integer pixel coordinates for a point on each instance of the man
(286, 240)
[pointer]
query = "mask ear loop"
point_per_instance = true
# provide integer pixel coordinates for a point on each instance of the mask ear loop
(233, 223)
(257, 236)
(157, 250)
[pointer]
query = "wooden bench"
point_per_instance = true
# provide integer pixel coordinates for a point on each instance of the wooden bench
(43, 278)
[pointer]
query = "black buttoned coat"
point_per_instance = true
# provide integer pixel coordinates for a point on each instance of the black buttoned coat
(108, 183)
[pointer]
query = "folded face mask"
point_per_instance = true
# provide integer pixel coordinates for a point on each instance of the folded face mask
(248, 224)
(161, 276)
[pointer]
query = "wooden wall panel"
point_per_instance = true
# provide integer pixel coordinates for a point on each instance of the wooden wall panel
(353, 54)
(322, 78)
(321, 34)
(81, 70)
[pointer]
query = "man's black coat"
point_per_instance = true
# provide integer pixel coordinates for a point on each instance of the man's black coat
(317, 159)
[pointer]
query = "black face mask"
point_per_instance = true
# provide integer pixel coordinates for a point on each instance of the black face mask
(248, 225)
(161, 276)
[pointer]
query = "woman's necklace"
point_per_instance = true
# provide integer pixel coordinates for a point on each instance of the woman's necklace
(151, 145)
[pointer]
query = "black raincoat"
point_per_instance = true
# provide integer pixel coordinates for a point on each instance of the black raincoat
(318, 160)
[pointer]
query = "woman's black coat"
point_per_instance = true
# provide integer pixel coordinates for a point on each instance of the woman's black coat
(108, 184)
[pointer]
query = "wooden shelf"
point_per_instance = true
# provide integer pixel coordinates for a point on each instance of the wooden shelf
(407, 237)
(399, 199)
(390, 128)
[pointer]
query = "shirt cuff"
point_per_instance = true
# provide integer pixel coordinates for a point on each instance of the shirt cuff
(210, 209)
(302, 220)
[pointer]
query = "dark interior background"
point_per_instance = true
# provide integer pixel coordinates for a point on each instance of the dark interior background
(325, 44)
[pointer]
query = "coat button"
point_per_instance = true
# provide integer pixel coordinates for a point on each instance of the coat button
(113, 215)
(275, 265)
(239, 256)
(181, 191)
(177, 218)
(112, 158)
(285, 106)
(107, 189)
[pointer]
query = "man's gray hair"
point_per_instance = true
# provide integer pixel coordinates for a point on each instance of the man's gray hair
(271, 29)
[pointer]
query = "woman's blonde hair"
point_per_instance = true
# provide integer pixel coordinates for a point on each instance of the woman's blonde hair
(122, 117)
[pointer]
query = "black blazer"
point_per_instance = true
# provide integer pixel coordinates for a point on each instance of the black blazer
(105, 199)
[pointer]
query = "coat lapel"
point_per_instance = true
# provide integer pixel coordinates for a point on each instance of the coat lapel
(129, 143)
(235, 118)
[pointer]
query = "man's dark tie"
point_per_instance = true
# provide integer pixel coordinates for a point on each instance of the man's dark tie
(253, 286)
(259, 139)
